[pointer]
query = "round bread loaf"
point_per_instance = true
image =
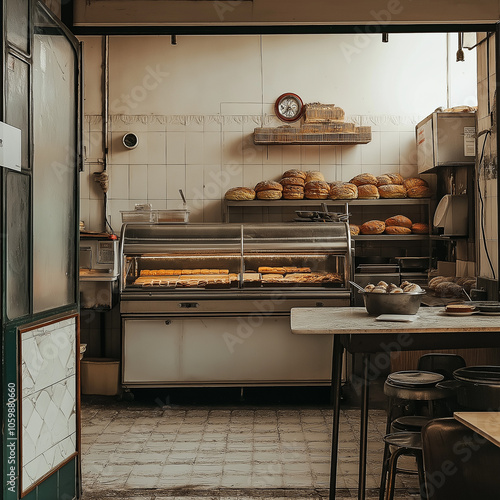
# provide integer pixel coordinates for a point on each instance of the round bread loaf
(344, 191)
(292, 181)
(420, 228)
(268, 185)
(434, 282)
(395, 178)
(397, 230)
(361, 179)
(419, 192)
(293, 192)
(240, 194)
(398, 220)
(448, 289)
(372, 227)
(269, 194)
(384, 179)
(314, 175)
(294, 173)
(353, 229)
(392, 191)
(413, 182)
(368, 192)
(317, 190)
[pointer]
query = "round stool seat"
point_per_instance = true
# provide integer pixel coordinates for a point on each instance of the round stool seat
(405, 440)
(416, 393)
(415, 378)
(409, 423)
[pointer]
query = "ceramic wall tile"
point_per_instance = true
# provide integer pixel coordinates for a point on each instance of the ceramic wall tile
(212, 149)
(389, 147)
(350, 155)
(407, 148)
(370, 153)
(252, 153)
(138, 183)
(118, 181)
(328, 155)
(176, 148)
(275, 155)
(176, 179)
(194, 181)
(48, 426)
(232, 150)
(194, 148)
(156, 148)
(157, 182)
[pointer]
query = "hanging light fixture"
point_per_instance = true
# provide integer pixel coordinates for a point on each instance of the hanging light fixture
(385, 37)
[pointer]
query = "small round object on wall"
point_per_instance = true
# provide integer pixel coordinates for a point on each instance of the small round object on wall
(289, 107)
(130, 140)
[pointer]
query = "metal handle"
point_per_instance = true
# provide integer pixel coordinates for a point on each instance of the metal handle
(188, 305)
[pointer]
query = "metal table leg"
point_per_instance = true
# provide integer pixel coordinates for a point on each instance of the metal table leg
(363, 432)
(338, 350)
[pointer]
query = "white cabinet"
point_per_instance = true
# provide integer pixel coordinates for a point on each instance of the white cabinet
(211, 351)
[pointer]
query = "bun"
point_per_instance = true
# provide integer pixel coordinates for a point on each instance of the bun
(372, 227)
(368, 192)
(397, 230)
(317, 190)
(240, 194)
(413, 182)
(361, 179)
(354, 229)
(344, 191)
(267, 185)
(269, 194)
(419, 192)
(398, 220)
(292, 181)
(294, 173)
(420, 228)
(293, 192)
(314, 175)
(392, 191)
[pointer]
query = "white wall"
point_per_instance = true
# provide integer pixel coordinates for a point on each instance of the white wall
(194, 107)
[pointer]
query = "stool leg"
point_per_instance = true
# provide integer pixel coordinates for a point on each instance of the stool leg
(421, 475)
(383, 477)
(391, 480)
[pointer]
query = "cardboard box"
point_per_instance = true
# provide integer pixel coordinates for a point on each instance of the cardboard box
(466, 268)
(100, 376)
(446, 268)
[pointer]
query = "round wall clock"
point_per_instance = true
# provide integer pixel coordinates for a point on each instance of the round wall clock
(288, 107)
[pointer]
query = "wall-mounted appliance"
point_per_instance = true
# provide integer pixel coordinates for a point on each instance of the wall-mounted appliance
(452, 215)
(446, 139)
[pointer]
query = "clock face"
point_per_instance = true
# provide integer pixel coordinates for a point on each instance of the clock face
(288, 107)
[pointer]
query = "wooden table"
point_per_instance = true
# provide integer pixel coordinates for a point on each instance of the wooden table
(357, 332)
(485, 423)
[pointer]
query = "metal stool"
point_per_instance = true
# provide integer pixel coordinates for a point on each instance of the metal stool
(408, 444)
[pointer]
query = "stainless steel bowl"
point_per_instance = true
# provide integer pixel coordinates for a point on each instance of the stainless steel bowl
(392, 303)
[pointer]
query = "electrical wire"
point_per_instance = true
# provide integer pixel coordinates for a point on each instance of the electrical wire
(483, 232)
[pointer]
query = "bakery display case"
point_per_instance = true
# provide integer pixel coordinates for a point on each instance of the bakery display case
(209, 304)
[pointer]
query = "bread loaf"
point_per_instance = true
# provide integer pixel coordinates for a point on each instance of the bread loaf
(384, 179)
(392, 191)
(292, 181)
(434, 282)
(413, 182)
(354, 229)
(314, 175)
(420, 228)
(448, 289)
(397, 230)
(294, 173)
(268, 185)
(361, 179)
(240, 194)
(398, 220)
(372, 227)
(345, 191)
(395, 178)
(419, 192)
(269, 194)
(317, 190)
(293, 192)
(368, 192)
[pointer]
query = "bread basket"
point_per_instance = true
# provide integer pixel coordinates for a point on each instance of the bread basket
(392, 303)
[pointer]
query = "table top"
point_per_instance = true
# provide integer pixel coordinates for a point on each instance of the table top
(485, 423)
(355, 320)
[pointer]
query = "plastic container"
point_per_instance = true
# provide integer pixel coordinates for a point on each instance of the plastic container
(153, 216)
(138, 215)
(178, 216)
(100, 376)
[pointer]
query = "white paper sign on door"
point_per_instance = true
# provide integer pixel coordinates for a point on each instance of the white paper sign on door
(10, 147)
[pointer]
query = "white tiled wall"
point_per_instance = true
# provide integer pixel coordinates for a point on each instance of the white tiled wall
(195, 105)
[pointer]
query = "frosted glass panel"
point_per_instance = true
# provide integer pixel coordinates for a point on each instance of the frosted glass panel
(17, 104)
(17, 23)
(54, 167)
(17, 231)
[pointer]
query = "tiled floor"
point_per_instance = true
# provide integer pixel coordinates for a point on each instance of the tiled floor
(146, 450)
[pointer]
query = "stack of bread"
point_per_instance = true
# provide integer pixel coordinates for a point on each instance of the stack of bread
(451, 286)
(293, 182)
(316, 187)
(268, 190)
(398, 224)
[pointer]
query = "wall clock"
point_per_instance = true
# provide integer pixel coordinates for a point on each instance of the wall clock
(289, 107)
